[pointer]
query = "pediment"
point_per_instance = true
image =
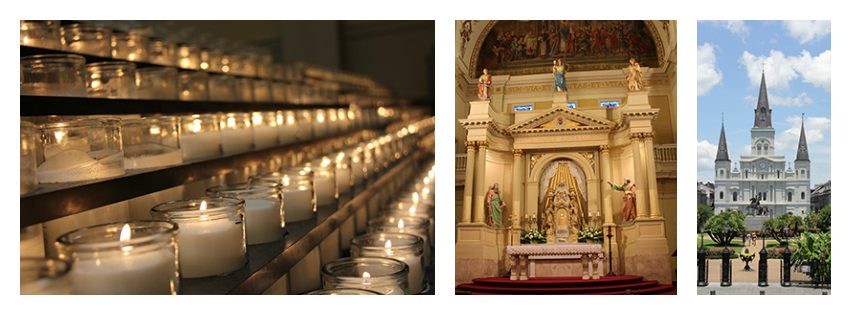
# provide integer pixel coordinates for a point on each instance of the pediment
(561, 119)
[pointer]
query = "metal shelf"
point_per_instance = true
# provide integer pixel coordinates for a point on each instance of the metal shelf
(52, 105)
(54, 201)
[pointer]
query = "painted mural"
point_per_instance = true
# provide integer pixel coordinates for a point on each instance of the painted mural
(512, 46)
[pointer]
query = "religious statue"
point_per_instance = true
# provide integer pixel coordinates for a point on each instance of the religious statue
(628, 189)
(485, 85)
(634, 79)
(558, 72)
(564, 215)
(494, 206)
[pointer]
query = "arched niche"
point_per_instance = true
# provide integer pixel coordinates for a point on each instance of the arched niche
(592, 178)
(542, 32)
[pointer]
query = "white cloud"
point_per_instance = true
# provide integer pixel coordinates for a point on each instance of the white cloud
(799, 100)
(805, 31)
(706, 153)
(780, 69)
(746, 149)
(708, 76)
(737, 27)
(816, 129)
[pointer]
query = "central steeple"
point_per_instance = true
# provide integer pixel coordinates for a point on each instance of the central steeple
(762, 113)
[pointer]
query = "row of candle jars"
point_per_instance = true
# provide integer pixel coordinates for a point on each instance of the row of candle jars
(392, 258)
(81, 149)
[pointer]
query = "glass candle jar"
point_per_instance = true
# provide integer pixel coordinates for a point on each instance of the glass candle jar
(212, 234)
(320, 123)
(162, 52)
(138, 257)
(332, 118)
(279, 92)
(53, 75)
(131, 45)
(385, 275)
(230, 63)
(199, 136)
(237, 135)
(343, 172)
(79, 150)
(42, 276)
(151, 142)
(86, 39)
(222, 88)
(297, 188)
(188, 56)
(42, 34)
(344, 291)
(264, 210)
(28, 157)
(265, 126)
(407, 248)
(157, 83)
(244, 90)
(262, 90)
(293, 93)
(193, 86)
(359, 173)
(287, 127)
(306, 127)
(404, 224)
(343, 119)
(324, 181)
(111, 79)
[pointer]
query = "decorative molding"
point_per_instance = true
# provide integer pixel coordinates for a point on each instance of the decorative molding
(569, 113)
(592, 159)
(533, 159)
(577, 85)
(517, 152)
(605, 148)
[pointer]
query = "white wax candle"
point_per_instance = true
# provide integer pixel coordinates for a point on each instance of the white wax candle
(367, 284)
(200, 145)
(75, 165)
(209, 248)
(236, 140)
(287, 133)
(149, 272)
(298, 204)
(358, 173)
(70, 143)
(171, 157)
(265, 136)
(262, 221)
(324, 183)
(343, 177)
(415, 272)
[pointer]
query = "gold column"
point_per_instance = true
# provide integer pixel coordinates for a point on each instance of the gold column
(479, 188)
(467, 214)
(517, 189)
(653, 191)
(607, 191)
(640, 181)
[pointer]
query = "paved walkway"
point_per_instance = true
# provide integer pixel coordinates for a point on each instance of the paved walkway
(753, 289)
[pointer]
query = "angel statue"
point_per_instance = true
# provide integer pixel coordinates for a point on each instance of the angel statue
(494, 206)
(634, 79)
(628, 189)
(485, 85)
(558, 72)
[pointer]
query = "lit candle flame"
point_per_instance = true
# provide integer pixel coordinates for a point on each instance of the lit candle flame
(340, 156)
(196, 125)
(401, 224)
(290, 119)
(426, 180)
(257, 118)
(388, 247)
(203, 207)
(325, 161)
(124, 236)
(59, 135)
(415, 197)
(366, 276)
(426, 191)
(231, 122)
(286, 180)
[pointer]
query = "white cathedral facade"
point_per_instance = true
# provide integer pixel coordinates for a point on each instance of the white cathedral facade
(779, 187)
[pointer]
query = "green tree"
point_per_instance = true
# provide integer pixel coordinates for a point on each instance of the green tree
(725, 226)
(818, 220)
(814, 251)
(783, 227)
(704, 212)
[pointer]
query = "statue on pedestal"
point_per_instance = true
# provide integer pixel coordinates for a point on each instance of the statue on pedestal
(494, 206)
(634, 79)
(485, 85)
(628, 189)
(559, 68)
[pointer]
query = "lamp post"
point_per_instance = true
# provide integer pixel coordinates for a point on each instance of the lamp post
(701, 263)
(763, 264)
(611, 271)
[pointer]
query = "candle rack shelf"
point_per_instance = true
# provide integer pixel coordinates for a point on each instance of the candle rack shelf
(54, 201)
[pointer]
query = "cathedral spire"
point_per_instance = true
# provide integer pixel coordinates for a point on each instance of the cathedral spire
(762, 113)
(803, 153)
(722, 146)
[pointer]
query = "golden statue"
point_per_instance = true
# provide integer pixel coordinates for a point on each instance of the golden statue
(563, 207)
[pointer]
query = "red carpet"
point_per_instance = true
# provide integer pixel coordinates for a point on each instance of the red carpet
(567, 285)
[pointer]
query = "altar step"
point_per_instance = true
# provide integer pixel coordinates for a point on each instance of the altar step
(567, 285)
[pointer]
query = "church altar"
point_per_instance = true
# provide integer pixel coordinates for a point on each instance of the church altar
(523, 257)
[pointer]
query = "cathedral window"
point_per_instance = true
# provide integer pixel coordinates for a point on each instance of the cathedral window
(735, 196)
(803, 195)
(789, 196)
(721, 195)
(778, 174)
(746, 173)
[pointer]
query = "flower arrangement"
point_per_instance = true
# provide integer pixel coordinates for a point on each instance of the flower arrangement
(533, 236)
(591, 234)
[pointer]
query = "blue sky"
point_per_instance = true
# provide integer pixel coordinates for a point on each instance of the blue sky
(796, 59)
